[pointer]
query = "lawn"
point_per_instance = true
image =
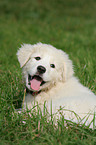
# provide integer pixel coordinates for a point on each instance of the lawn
(68, 25)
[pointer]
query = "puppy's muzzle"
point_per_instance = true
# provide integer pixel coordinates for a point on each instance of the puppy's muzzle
(41, 69)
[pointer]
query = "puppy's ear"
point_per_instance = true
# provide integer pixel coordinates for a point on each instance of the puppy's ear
(24, 54)
(67, 68)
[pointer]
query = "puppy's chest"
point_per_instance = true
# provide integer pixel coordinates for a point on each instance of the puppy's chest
(40, 98)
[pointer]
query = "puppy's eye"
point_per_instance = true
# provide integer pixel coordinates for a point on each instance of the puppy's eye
(52, 65)
(37, 58)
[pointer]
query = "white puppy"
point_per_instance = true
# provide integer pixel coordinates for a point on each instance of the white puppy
(48, 73)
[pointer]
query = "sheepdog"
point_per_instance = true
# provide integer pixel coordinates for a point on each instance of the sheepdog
(49, 76)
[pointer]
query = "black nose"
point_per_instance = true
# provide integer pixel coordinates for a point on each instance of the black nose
(41, 69)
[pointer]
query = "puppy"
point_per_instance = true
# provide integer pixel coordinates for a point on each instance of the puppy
(49, 76)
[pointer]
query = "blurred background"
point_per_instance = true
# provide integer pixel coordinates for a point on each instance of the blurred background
(69, 25)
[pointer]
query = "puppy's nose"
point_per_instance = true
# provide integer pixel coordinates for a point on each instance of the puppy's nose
(41, 69)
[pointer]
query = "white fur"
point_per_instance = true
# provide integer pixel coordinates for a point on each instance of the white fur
(62, 88)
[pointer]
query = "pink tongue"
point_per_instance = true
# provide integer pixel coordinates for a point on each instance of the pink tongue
(35, 84)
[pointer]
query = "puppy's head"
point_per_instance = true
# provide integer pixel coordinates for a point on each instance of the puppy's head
(43, 66)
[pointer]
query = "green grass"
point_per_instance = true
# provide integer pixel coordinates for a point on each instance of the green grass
(68, 25)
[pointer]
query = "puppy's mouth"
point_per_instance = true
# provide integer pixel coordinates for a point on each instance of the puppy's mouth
(35, 82)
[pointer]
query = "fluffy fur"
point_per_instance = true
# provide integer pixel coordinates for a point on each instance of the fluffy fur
(60, 87)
